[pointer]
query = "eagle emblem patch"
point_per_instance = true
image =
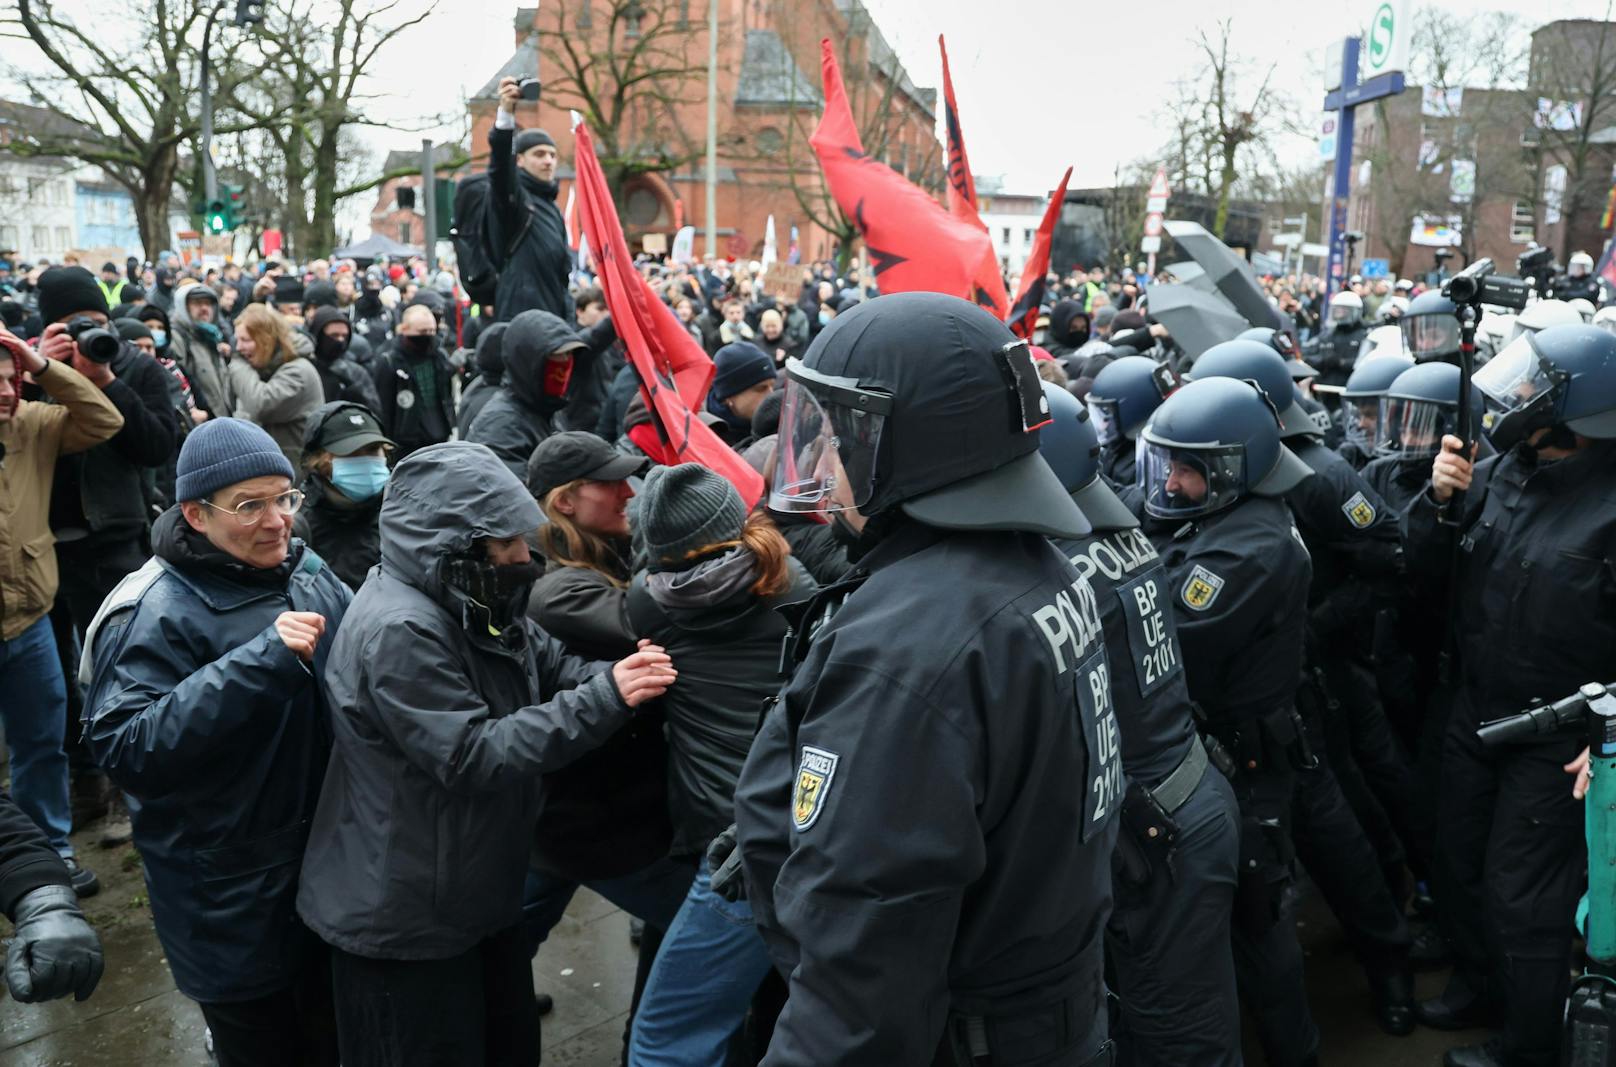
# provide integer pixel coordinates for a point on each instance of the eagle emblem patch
(1360, 512)
(1200, 589)
(814, 775)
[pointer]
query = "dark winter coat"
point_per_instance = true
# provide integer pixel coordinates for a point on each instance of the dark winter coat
(521, 415)
(726, 640)
(27, 862)
(420, 845)
(219, 733)
(528, 235)
(409, 420)
(490, 361)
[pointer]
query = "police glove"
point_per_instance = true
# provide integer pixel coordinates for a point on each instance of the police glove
(54, 951)
(724, 860)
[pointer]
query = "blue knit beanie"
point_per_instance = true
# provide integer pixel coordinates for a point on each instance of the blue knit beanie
(222, 452)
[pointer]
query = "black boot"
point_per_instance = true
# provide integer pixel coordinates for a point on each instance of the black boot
(1488, 1054)
(1393, 996)
(1463, 1005)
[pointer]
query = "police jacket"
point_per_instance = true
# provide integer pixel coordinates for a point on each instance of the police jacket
(727, 640)
(605, 814)
(1239, 581)
(815, 546)
(420, 843)
(1536, 605)
(1118, 463)
(921, 829)
(1398, 481)
(1141, 642)
(528, 232)
(1335, 352)
(219, 734)
(1350, 534)
(523, 411)
(343, 531)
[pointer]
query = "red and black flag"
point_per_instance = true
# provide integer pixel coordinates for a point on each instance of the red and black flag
(1030, 294)
(674, 371)
(961, 185)
(914, 243)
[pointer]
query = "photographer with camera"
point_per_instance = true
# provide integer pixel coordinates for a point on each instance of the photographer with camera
(99, 507)
(526, 233)
(32, 436)
(1534, 614)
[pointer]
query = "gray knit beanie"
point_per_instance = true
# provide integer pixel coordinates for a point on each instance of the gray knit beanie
(685, 508)
(222, 452)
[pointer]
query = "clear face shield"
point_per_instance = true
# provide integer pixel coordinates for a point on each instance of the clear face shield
(1519, 388)
(1363, 421)
(1425, 336)
(1103, 417)
(1413, 429)
(830, 437)
(1181, 483)
(1345, 315)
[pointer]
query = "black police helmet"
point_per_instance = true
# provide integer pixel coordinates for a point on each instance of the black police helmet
(1257, 362)
(1070, 447)
(1129, 389)
(946, 399)
(1559, 375)
(1232, 427)
(1419, 408)
(1278, 340)
(1430, 328)
(1372, 376)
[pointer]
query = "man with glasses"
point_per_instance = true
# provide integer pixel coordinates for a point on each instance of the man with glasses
(205, 708)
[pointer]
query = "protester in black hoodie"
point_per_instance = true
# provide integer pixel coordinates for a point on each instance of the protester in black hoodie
(1068, 329)
(548, 366)
(345, 463)
(527, 229)
(490, 360)
(341, 377)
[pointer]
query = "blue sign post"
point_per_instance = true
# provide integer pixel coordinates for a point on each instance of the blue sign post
(1346, 100)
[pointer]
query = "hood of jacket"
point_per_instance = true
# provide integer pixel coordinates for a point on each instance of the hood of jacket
(491, 353)
(440, 500)
(529, 338)
(709, 583)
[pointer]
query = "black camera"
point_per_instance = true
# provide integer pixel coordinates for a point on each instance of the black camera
(1478, 284)
(529, 88)
(96, 342)
(1537, 266)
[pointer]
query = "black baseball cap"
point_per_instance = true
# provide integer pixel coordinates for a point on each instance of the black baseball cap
(573, 454)
(343, 428)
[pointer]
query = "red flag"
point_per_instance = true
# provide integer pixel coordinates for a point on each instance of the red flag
(674, 371)
(1607, 262)
(915, 245)
(961, 186)
(1030, 294)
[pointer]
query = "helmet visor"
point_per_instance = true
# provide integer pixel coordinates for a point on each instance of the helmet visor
(1431, 335)
(1103, 417)
(1414, 428)
(1362, 416)
(830, 436)
(1519, 388)
(1181, 482)
(1345, 313)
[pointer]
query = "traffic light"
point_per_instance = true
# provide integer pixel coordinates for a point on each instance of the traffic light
(235, 202)
(216, 219)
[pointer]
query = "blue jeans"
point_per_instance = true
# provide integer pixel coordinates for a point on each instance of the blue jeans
(711, 962)
(33, 710)
(651, 894)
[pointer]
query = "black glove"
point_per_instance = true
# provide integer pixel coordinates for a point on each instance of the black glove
(724, 860)
(54, 951)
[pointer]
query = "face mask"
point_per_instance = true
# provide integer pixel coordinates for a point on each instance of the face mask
(498, 592)
(329, 348)
(557, 373)
(824, 318)
(159, 338)
(359, 477)
(416, 346)
(207, 330)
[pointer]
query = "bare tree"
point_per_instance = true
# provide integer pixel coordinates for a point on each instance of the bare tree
(1573, 71)
(128, 108)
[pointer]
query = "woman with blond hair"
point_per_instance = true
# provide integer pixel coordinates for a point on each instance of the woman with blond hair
(714, 579)
(272, 385)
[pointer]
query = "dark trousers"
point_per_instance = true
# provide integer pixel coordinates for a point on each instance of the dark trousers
(1168, 943)
(1338, 856)
(295, 1027)
(90, 568)
(471, 1010)
(1510, 862)
(1267, 955)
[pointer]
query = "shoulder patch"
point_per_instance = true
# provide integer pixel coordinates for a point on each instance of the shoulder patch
(1359, 511)
(1200, 589)
(814, 775)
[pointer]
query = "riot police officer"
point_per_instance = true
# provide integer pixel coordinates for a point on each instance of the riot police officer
(926, 836)
(1534, 616)
(1214, 477)
(1335, 351)
(1177, 858)
(1350, 805)
(1124, 395)
(1431, 329)
(1360, 406)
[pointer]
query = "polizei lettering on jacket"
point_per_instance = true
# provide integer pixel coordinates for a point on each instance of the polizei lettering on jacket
(1115, 555)
(1071, 624)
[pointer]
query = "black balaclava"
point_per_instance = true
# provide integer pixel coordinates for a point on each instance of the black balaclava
(497, 592)
(1069, 324)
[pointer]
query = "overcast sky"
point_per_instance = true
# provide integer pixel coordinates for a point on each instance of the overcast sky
(1041, 83)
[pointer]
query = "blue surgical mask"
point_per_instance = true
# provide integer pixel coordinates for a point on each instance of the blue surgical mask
(824, 318)
(359, 477)
(159, 338)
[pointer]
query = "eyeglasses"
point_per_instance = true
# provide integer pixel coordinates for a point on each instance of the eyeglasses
(252, 512)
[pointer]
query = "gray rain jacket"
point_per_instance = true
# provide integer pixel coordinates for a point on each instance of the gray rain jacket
(420, 843)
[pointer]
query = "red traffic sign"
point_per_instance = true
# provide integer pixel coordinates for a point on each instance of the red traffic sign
(1153, 225)
(1158, 185)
